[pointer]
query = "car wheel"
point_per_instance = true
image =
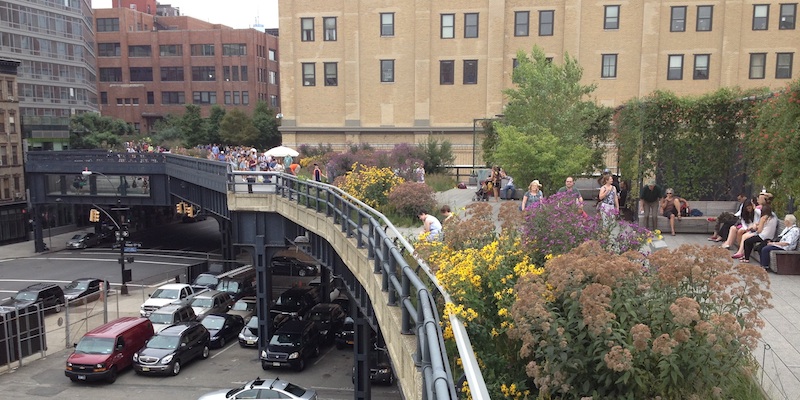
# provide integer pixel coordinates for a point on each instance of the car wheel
(316, 351)
(302, 272)
(265, 365)
(301, 365)
(58, 306)
(205, 351)
(222, 342)
(176, 367)
(112, 375)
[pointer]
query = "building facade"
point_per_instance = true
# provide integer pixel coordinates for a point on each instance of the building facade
(150, 65)
(13, 199)
(54, 41)
(384, 72)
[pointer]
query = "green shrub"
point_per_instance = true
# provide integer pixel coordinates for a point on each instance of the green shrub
(440, 182)
(409, 198)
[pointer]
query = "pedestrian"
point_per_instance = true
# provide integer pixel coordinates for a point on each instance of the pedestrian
(317, 173)
(569, 188)
(419, 173)
(533, 195)
(509, 190)
(497, 181)
(609, 199)
(649, 198)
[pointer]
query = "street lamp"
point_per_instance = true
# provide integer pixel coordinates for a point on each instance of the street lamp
(121, 233)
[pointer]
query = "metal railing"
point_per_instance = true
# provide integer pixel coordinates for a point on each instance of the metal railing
(405, 288)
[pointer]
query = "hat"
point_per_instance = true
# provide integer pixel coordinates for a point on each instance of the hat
(536, 182)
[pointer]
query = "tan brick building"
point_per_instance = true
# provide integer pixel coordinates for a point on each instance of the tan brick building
(149, 66)
(383, 72)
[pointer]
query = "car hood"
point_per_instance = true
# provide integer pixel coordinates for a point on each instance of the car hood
(89, 359)
(159, 327)
(213, 333)
(73, 292)
(159, 353)
(215, 395)
(282, 349)
(17, 304)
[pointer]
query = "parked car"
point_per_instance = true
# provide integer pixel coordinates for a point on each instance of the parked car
(83, 240)
(294, 303)
(345, 336)
(380, 367)
(222, 328)
(248, 336)
(211, 302)
(208, 280)
(171, 314)
(167, 351)
(263, 389)
(85, 289)
(285, 265)
(239, 282)
(291, 346)
(48, 295)
(107, 350)
(244, 307)
(329, 318)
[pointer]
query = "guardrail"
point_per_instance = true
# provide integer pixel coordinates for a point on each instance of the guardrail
(405, 287)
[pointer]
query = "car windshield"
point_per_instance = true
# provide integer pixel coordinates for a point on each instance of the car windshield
(165, 294)
(295, 390)
(77, 237)
(25, 296)
(285, 340)
(252, 322)
(164, 342)
(243, 306)
(212, 322)
(205, 280)
(78, 285)
(161, 318)
(228, 286)
(203, 303)
(91, 345)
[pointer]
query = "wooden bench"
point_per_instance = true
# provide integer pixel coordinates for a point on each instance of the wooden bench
(781, 262)
(710, 209)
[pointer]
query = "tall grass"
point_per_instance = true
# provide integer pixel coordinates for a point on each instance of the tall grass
(440, 182)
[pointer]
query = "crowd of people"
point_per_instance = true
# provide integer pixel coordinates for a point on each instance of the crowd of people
(245, 158)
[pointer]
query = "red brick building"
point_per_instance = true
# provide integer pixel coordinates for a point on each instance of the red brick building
(149, 66)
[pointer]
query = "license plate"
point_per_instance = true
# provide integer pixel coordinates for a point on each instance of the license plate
(349, 342)
(145, 369)
(251, 342)
(82, 377)
(276, 364)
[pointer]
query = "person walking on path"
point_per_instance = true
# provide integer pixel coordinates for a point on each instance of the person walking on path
(533, 195)
(609, 200)
(317, 173)
(649, 198)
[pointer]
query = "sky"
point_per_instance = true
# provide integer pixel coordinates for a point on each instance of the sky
(234, 13)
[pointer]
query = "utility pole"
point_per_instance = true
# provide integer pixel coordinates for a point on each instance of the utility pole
(122, 235)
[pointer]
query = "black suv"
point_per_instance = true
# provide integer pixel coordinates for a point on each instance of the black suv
(329, 318)
(168, 350)
(294, 303)
(49, 295)
(291, 345)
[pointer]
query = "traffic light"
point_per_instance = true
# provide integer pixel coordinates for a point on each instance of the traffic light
(189, 210)
(179, 208)
(94, 215)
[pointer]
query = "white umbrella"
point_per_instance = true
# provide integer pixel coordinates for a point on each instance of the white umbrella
(281, 151)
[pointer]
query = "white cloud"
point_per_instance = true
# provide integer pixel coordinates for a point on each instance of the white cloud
(234, 13)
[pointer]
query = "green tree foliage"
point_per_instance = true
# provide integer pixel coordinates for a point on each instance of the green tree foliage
(543, 134)
(236, 127)
(212, 126)
(92, 131)
(193, 126)
(267, 126)
(168, 132)
(436, 155)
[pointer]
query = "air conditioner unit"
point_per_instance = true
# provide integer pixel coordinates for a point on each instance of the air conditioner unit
(18, 196)
(10, 98)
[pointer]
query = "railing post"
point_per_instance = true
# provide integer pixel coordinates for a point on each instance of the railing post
(360, 236)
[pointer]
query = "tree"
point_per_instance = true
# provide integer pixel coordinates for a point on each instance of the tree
(548, 129)
(212, 124)
(237, 128)
(436, 155)
(91, 131)
(267, 125)
(193, 126)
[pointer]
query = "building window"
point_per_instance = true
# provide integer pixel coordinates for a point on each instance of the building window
(235, 75)
(387, 24)
(236, 98)
(172, 74)
(273, 78)
(141, 74)
(609, 66)
(331, 74)
(170, 50)
(245, 98)
(701, 66)
(446, 72)
(758, 64)
(110, 74)
(204, 97)
(307, 29)
(243, 70)
(309, 74)
(788, 16)
(678, 19)
(202, 74)
(108, 50)
(675, 71)
(107, 25)
(522, 23)
(226, 98)
(273, 55)
(151, 98)
(103, 98)
(234, 49)
(448, 26)
(470, 72)
(273, 101)
(783, 66)
(329, 26)
(173, 98)
(611, 20)
(705, 17)
(514, 63)
(760, 17)
(387, 70)
(202, 50)
(139, 51)
(471, 25)
(546, 22)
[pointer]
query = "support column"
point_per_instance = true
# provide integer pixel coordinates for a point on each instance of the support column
(362, 342)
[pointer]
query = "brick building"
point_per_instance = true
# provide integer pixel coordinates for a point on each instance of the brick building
(384, 72)
(13, 199)
(150, 65)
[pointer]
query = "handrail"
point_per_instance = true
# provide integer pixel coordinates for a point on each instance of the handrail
(439, 381)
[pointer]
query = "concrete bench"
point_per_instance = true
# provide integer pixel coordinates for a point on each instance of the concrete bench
(710, 209)
(781, 262)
